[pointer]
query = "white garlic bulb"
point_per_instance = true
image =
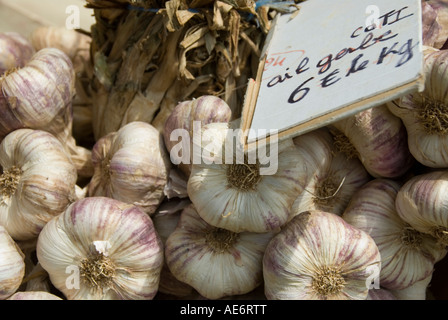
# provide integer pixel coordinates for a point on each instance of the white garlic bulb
(12, 265)
(203, 110)
(319, 256)
(216, 262)
(424, 114)
(408, 256)
(101, 248)
(131, 165)
(73, 43)
(421, 202)
(245, 194)
(380, 294)
(335, 176)
(380, 141)
(37, 182)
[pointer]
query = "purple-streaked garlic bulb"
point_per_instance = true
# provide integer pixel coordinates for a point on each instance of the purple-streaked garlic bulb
(102, 249)
(12, 265)
(407, 255)
(39, 96)
(37, 181)
(252, 191)
(216, 262)
(185, 120)
(379, 140)
(131, 165)
(335, 176)
(422, 203)
(165, 221)
(425, 114)
(34, 295)
(319, 256)
(15, 51)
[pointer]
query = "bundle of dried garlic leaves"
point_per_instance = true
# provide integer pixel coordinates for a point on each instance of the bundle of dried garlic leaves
(148, 55)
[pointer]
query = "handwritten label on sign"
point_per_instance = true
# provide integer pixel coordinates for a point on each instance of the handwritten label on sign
(336, 55)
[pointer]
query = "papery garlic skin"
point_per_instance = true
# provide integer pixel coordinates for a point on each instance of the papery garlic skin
(424, 114)
(132, 166)
(214, 261)
(12, 265)
(318, 256)
(34, 295)
(408, 256)
(422, 202)
(380, 140)
(238, 196)
(15, 51)
(37, 183)
(102, 249)
(205, 109)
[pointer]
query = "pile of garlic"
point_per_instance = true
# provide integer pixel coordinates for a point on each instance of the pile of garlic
(355, 210)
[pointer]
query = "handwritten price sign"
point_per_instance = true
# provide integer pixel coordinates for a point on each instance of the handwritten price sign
(333, 55)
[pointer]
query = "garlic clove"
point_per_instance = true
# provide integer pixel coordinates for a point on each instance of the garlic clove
(216, 262)
(408, 255)
(101, 248)
(132, 166)
(418, 291)
(15, 51)
(12, 265)
(318, 256)
(38, 181)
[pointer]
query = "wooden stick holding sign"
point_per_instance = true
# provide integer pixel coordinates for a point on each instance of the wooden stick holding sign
(331, 60)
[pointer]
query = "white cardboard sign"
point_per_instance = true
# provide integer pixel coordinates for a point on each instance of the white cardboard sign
(332, 59)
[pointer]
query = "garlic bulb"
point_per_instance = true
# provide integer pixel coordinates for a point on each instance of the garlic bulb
(39, 96)
(421, 202)
(132, 166)
(15, 51)
(34, 295)
(73, 43)
(424, 114)
(205, 109)
(214, 261)
(318, 256)
(379, 140)
(12, 265)
(335, 178)
(165, 221)
(101, 248)
(408, 255)
(417, 291)
(245, 194)
(37, 182)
